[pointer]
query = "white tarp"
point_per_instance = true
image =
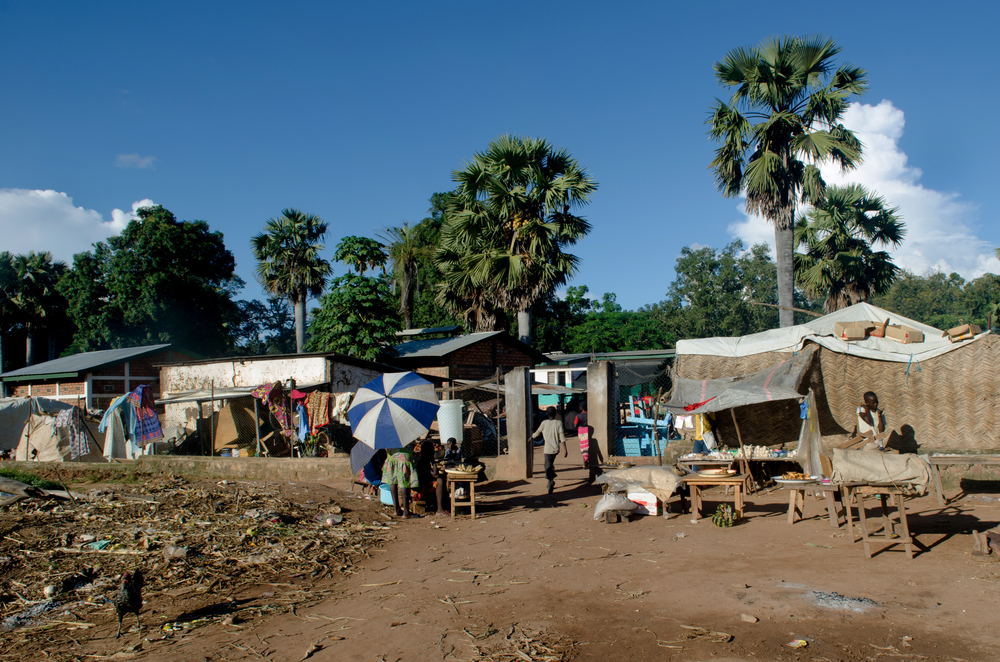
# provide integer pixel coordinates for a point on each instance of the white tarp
(14, 413)
(820, 331)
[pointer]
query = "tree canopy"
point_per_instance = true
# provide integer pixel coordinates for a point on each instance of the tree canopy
(782, 120)
(160, 280)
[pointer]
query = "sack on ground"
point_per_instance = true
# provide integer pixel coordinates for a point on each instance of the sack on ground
(613, 502)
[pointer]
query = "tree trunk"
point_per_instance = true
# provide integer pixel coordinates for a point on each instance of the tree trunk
(300, 322)
(29, 347)
(524, 326)
(784, 247)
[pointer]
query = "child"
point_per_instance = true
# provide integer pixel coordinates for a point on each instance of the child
(453, 455)
(400, 473)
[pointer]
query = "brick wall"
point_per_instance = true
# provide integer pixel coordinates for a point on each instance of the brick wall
(47, 389)
(441, 372)
(481, 360)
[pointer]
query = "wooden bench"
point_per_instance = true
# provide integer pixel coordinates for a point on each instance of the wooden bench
(886, 494)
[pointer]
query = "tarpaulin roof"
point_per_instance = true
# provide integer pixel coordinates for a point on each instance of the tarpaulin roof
(820, 331)
(778, 382)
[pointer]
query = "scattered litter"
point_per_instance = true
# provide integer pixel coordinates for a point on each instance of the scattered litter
(25, 617)
(174, 553)
(797, 643)
(812, 544)
(695, 632)
(837, 601)
(330, 520)
(906, 641)
(748, 618)
(98, 544)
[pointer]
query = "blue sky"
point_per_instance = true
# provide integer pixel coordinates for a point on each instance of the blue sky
(358, 112)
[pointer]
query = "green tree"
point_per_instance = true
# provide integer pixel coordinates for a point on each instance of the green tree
(8, 311)
(37, 298)
(160, 280)
(404, 251)
(782, 120)
(837, 237)
(356, 316)
(502, 243)
(936, 299)
(264, 328)
(289, 264)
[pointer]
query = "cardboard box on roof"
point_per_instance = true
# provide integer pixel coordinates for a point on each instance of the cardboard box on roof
(963, 332)
(904, 334)
(852, 330)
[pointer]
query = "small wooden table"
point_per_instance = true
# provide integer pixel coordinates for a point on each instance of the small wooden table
(885, 494)
(797, 500)
(697, 482)
(951, 460)
(453, 480)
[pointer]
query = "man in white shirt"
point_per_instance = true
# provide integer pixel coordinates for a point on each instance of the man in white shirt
(551, 430)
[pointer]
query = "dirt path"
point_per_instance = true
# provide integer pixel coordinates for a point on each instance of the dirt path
(538, 572)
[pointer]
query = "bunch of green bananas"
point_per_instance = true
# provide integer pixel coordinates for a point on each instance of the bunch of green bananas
(724, 515)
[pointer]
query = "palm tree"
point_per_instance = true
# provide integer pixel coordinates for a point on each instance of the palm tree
(289, 264)
(837, 237)
(36, 298)
(405, 252)
(511, 217)
(782, 120)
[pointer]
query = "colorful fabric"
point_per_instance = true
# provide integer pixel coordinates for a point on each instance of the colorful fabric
(584, 434)
(400, 470)
(318, 405)
(72, 420)
(146, 427)
(303, 421)
(272, 396)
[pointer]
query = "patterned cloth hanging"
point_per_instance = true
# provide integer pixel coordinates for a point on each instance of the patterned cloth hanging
(273, 396)
(72, 420)
(318, 405)
(146, 428)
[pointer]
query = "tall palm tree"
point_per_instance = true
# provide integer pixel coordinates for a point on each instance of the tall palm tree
(289, 264)
(782, 120)
(510, 220)
(405, 251)
(37, 298)
(837, 237)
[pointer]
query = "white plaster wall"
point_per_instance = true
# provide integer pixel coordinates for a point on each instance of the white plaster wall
(348, 378)
(242, 373)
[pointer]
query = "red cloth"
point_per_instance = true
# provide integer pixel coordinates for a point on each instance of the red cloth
(698, 404)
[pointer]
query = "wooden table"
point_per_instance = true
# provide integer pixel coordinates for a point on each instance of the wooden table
(697, 482)
(951, 460)
(453, 480)
(744, 466)
(888, 536)
(797, 500)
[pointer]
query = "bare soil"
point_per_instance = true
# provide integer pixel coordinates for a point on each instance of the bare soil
(534, 577)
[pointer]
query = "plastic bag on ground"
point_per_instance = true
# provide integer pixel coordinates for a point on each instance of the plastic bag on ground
(613, 502)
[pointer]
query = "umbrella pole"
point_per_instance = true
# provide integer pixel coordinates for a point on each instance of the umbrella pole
(745, 462)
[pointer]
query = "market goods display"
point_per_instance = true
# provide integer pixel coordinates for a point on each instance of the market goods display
(465, 469)
(795, 475)
(724, 515)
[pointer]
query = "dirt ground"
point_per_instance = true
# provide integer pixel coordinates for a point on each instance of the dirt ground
(534, 577)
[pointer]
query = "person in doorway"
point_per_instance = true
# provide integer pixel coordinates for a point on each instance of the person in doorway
(583, 433)
(400, 474)
(871, 423)
(551, 431)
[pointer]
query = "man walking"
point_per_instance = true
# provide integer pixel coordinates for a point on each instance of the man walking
(551, 430)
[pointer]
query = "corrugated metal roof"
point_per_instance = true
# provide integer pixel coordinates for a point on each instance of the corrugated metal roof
(436, 347)
(84, 362)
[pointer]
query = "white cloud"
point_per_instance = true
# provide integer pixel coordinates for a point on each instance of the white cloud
(33, 220)
(939, 235)
(133, 160)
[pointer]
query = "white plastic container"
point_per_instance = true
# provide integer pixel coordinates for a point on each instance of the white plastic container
(450, 421)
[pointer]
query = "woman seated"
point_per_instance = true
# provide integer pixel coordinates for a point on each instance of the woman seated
(371, 474)
(431, 478)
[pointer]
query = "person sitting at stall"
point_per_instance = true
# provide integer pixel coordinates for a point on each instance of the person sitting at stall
(371, 473)
(453, 455)
(400, 474)
(871, 423)
(432, 480)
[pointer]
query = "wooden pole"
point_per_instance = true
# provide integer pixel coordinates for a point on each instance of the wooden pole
(745, 462)
(256, 425)
(656, 426)
(211, 421)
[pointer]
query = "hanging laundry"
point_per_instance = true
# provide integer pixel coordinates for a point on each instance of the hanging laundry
(272, 395)
(341, 403)
(72, 420)
(303, 421)
(318, 405)
(146, 426)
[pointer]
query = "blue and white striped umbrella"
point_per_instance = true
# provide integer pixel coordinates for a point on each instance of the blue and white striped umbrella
(393, 410)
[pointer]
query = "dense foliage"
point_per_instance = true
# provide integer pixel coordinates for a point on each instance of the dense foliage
(161, 280)
(943, 300)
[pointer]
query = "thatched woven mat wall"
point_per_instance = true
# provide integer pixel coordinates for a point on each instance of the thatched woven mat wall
(948, 403)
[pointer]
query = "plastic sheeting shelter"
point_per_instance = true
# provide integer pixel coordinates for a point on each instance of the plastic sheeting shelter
(938, 396)
(42, 441)
(14, 415)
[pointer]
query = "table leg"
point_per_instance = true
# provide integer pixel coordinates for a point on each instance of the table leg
(792, 499)
(831, 509)
(863, 523)
(887, 529)
(937, 485)
(472, 498)
(739, 499)
(452, 485)
(904, 525)
(696, 501)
